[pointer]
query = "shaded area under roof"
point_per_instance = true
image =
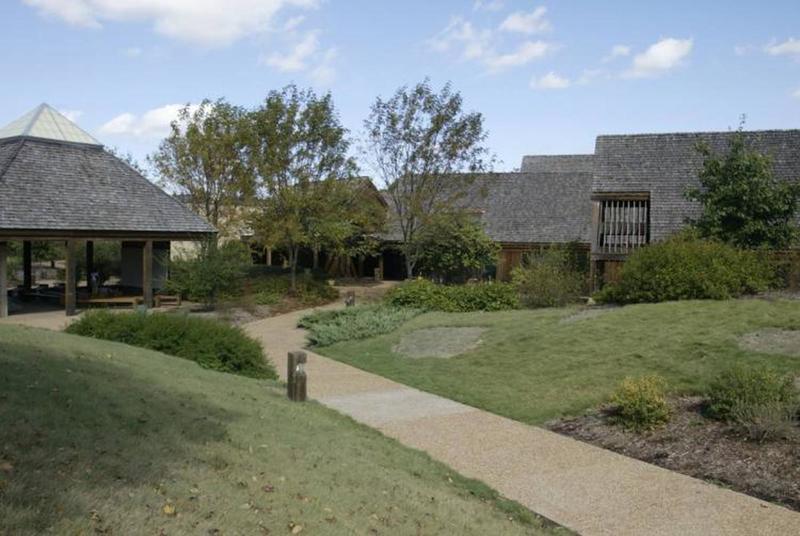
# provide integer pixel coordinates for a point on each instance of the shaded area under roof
(45, 122)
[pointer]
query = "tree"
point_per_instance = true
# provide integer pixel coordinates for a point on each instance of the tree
(453, 247)
(427, 151)
(743, 203)
(204, 159)
(298, 149)
(217, 269)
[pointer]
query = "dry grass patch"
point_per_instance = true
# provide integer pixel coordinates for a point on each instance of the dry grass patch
(444, 342)
(772, 341)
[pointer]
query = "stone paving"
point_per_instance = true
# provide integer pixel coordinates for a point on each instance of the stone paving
(587, 489)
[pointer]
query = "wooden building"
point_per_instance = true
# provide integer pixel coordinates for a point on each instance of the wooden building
(58, 183)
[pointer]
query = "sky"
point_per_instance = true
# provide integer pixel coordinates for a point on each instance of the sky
(547, 76)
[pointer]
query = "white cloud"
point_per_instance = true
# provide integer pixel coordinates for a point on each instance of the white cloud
(471, 44)
(292, 24)
(527, 23)
(660, 57)
(72, 115)
(133, 52)
(550, 81)
(796, 94)
(526, 53)
(325, 73)
(790, 47)
(153, 123)
(617, 51)
(296, 59)
(206, 22)
(488, 5)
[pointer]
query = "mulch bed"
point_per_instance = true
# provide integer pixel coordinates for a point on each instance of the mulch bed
(703, 448)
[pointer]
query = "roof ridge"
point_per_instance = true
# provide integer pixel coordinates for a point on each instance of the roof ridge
(36, 116)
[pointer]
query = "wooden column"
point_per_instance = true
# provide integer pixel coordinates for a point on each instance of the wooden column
(147, 273)
(70, 280)
(27, 265)
(269, 256)
(315, 261)
(3, 279)
(89, 264)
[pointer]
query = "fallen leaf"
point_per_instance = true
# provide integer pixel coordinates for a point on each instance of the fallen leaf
(268, 488)
(297, 529)
(169, 509)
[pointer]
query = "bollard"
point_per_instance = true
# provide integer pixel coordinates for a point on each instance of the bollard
(296, 376)
(350, 298)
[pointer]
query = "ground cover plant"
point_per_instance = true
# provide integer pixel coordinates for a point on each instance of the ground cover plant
(641, 403)
(353, 323)
(100, 437)
(430, 296)
(210, 343)
(532, 366)
(685, 267)
(550, 278)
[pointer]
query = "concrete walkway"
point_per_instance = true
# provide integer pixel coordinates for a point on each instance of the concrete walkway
(588, 489)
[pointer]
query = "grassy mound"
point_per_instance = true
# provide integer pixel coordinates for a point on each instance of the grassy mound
(100, 437)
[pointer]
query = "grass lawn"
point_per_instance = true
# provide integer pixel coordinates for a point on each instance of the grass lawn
(532, 366)
(99, 438)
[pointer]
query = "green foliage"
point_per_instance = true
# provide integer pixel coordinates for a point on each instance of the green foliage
(215, 270)
(107, 259)
(453, 247)
(299, 152)
(768, 420)
(211, 344)
(427, 150)
(549, 278)
(271, 289)
(641, 403)
(743, 203)
(684, 268)
(203, 159)
(429, 296)
(329, 327)
(743, 390)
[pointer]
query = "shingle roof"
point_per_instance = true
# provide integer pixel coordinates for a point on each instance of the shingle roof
(56, 186)
(557, 163)
(666, 165)
(45, 122)
(526, 208)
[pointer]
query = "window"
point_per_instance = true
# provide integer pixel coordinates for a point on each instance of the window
(621, 224)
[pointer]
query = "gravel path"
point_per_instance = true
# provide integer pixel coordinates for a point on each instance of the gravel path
(588, 489)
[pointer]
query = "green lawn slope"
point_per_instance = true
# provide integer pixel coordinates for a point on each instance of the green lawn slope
(102, 438)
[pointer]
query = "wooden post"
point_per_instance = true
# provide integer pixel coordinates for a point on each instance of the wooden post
(296, 376)
(27, 265)
(70, 281)
(147, 273)
(269, 256)
(315, 260)
(350, 298)
(3, 279)
(89, 265)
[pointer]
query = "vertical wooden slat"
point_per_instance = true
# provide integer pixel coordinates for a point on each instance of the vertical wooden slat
(27, 265)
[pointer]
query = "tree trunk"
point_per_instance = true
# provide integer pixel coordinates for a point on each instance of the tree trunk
(409, 268)
(294, 253)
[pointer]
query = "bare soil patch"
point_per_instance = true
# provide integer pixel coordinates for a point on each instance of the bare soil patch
(772, 341)
(439, 342)
(703, 448)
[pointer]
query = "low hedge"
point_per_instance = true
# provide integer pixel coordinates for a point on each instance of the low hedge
(685, 267)
(329, 327)
(210, 343)
(429, 296)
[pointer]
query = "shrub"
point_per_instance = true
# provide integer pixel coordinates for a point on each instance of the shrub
(548, 279)
(212, 344)
(770, 420)
(453, 247)
(328, 327)
(744, 390)
(685, 267)
(426, 295)
(641, 403)
(271, 289)
(216, 270)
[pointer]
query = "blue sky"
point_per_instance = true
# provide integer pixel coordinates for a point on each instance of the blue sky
(548, 76)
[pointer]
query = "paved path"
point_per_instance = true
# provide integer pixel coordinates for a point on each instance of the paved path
(588, 489)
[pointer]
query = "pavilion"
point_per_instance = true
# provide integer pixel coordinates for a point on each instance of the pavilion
(58, 183)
